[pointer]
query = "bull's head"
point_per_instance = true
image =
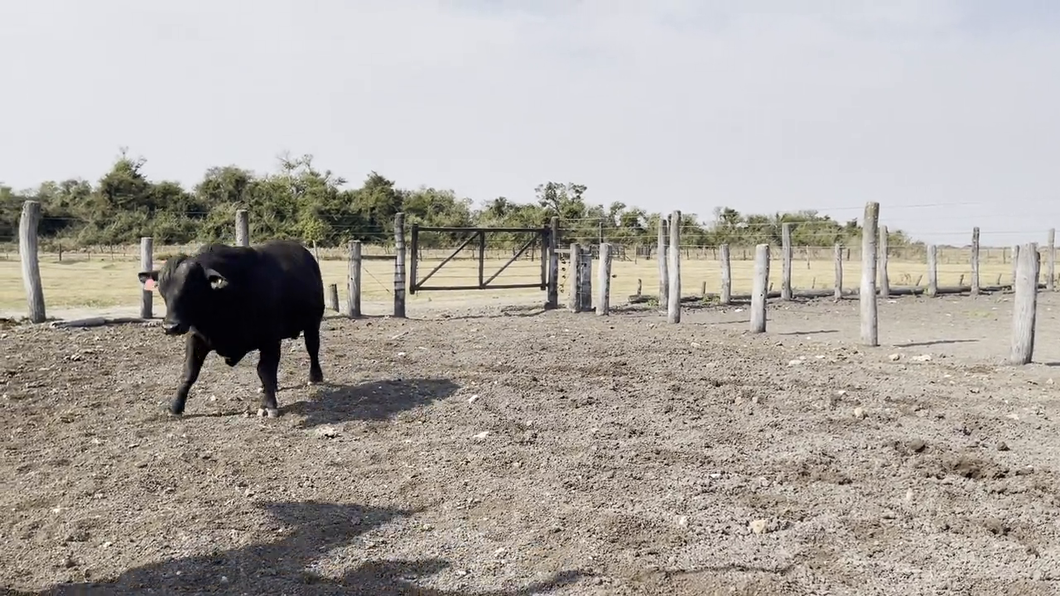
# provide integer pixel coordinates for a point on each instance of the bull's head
(185, 286)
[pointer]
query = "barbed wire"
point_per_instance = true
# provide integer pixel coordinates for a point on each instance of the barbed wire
(804, 227)
(807, 235)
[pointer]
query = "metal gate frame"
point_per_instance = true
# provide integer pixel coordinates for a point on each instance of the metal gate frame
(417, 285)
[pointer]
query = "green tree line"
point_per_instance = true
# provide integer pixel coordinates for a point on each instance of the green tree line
(300, 201)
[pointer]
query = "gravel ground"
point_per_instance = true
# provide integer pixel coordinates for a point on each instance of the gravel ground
(522, 453)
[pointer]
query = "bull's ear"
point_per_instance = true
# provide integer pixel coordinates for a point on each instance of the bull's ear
(148, 279)
(217, 281)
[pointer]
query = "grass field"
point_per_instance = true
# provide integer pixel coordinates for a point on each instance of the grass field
(108, 279)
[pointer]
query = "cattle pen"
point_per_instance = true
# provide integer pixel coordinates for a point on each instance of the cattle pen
(568, 270)
(804, 427)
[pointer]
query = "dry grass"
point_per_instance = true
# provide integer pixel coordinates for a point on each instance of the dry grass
(105, 280)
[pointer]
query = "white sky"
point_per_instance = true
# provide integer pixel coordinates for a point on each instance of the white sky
(761, 105)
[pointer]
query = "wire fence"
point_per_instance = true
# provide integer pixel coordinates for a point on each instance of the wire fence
(76, 275)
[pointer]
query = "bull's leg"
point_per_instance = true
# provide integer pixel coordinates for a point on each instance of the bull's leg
(312, 345)
(268, 367)
(195, 351)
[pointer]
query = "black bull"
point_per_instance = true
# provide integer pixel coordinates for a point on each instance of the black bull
(233, 300)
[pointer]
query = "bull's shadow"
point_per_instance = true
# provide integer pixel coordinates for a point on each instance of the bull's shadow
(372, 400)
(283, 566)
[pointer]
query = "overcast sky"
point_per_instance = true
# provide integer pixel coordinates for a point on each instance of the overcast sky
(762, 105)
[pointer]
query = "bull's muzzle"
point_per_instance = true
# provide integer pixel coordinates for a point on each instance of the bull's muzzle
(171, 328)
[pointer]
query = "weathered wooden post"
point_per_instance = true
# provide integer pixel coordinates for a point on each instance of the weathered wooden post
(1050, 261)
(585, 280)
(574, 302)
(1015, 264)
(552, 300)
(353, 281)
(838, 252)
(242, 228)
(146, 264)
(933, 270)
(664, 276)
(885, 281)
(673, 308)
(1025, 304)
(603, 292)
(333, 297)
(399, 265)
(726, 275)
(759, 288)
(975, 261)
(868, 297)
(785, 262)
(28, 224)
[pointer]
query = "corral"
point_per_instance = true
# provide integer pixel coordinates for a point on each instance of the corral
(462, 452)
(487, 449)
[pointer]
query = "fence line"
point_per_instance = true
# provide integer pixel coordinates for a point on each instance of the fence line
(621, 252)
(875, 256)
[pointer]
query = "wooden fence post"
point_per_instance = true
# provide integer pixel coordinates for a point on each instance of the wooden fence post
(868, 297)
(333, 297)
(399, 265)
(1015, 263)
(975, 261)
(353, 281)
(885, 281)
(1050, 261)
(1025, 304)
(726, 276)
(759, 288)
(838, 253)
(574, 302)
(146, 264)
(603, 292)
(585, 280)
(664, 276)
(673, 308)
(242, 228)
(933, 270)
(552, 300)
(28, 223)
(785, 262)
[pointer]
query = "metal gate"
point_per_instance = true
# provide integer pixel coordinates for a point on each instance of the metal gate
(534, 235)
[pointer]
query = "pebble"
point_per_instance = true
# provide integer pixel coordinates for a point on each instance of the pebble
(472, 399)
(758, 526)
(859, 413)
(327, 432)
(481, 436)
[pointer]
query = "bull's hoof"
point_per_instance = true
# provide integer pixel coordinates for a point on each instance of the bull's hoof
(315, 377)
(270, 412)
(170, 412)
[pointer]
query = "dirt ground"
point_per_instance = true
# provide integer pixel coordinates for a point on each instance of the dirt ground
(517, 452)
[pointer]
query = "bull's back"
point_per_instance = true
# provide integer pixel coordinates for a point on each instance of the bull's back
(297, 276)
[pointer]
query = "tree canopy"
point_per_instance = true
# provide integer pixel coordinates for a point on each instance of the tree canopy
(302, 202)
